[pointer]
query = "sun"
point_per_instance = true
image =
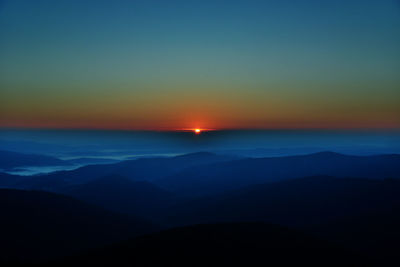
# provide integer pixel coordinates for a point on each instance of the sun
(197, 130)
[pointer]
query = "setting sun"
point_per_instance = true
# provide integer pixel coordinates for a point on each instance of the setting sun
(197, 131)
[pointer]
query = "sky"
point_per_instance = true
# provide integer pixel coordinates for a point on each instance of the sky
(168, 65)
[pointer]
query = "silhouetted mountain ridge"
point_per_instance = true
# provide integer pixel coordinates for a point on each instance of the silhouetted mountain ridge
(39, 225)
(303, 201)
(361, 215)
(230, 175)
(121, 194)
(9, 180)
(236, 244)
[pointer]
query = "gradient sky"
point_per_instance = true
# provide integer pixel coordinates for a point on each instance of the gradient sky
(208, 64)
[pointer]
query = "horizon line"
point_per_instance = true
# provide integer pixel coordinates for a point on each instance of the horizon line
(203, 129)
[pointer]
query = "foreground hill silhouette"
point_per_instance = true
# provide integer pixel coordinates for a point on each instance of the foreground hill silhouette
(123, 195)
(12, 181)
(303, 201)
(362, 215)
(240, 244)
(37, 226)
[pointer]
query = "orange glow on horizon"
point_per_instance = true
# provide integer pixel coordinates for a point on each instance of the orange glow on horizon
(196, 130)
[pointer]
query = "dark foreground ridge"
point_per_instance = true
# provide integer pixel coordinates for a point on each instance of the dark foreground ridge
(38, 226)
(242, 244)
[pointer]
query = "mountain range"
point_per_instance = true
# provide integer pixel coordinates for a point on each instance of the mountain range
(348, 205)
